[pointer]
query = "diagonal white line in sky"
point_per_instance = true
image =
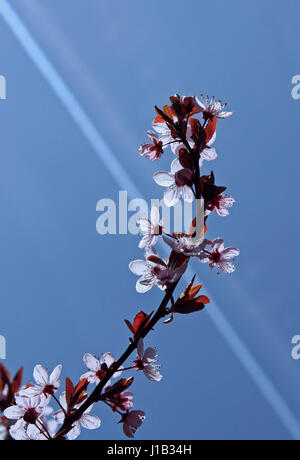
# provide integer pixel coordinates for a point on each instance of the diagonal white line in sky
(89, 130)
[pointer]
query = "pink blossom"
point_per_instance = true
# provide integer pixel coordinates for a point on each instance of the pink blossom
(132, 421)
(169, 136)
(151, 229)
(209, 153)
(154, 150)
(178, 182)
(220, 205)
(154, 271)
(47, 385)
(211, 108)
(165, 133)
(186, 245)
(219, 256)
(122, 401)
(97, 368)
(145, 362)
(27, 409)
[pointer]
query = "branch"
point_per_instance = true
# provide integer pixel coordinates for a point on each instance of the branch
(96, 394)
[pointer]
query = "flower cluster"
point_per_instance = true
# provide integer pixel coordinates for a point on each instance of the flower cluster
(188, 126)
(192, 144)
(29, 416)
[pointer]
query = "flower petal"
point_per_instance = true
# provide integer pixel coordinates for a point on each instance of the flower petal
(199, 104)
(143, 287)
(218, 244)
(227, 266)
(230, 253)
(138, 267)
(59, 417)
(90, 376)
(164, 179)
(222, 212)
(146, 241)
(90, 422)
(171, 196)
(40, 375)
(107, 359)
(204, 258)
(140, 349)
(14, 412)
(55, 375)
(176, 166)
(224, 115)
(209, 154)
(152, 373)
(75, 432)
(145, 226)
(150, 355)
(187, 194)
(91, 362)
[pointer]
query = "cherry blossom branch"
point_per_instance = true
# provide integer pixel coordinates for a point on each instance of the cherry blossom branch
(26, 409)
(95, 396)
(160, 313)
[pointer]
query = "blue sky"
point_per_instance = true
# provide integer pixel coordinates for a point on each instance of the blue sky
(65, 290)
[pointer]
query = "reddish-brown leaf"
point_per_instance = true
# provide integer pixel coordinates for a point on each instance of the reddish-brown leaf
(167, 110)
(189, 307)
(79, 391)
(194, 290)
(120, 386)
(195, 125)
(17, 381)
(139, 323)
(187, 303)
(211, 129)
(129, 325)
(185, 159)
(69, 392)
(4, 374)
(163, 116)
(203, 299)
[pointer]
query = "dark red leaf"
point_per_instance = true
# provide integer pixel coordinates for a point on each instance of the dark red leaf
(211, 129)
(69, 392)
(129, 325)
(139, 323)
(17, 381)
